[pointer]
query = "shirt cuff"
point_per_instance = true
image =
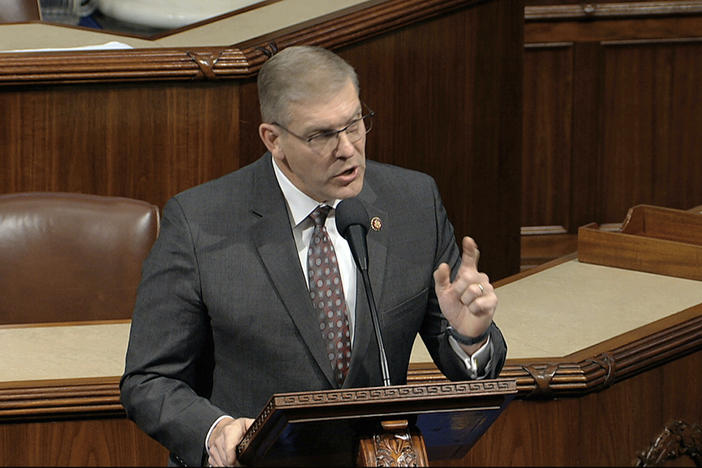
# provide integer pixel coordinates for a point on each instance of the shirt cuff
(476, 363)
(209, 433)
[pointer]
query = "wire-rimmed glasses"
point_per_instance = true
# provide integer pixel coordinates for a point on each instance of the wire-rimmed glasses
(325, 141)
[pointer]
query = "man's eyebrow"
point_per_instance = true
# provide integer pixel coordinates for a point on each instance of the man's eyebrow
(323, 128)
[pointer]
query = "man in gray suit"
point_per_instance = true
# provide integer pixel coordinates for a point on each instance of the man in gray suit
(225, 315)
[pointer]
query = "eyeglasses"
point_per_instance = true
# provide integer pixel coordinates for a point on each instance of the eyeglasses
(325, 141)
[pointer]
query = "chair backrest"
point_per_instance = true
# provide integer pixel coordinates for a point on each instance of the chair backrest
(71, 257)
(14, 11)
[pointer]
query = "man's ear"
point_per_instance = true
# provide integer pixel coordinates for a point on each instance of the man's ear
(270, 135)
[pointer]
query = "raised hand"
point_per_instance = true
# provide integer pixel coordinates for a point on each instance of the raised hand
(469, 302)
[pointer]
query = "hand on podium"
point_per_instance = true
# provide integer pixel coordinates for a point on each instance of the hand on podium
(225, 436)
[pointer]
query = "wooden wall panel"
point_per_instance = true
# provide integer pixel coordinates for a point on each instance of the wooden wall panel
(606, 428)
(444, 77)
(652, 126)
(85, 442)
(142, 141)
(633, 113)
(547, 134)
(586, 159)
(631, 80)
(447, 91)
(439, 119)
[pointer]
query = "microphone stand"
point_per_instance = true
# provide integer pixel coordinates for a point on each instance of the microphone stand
(391, 431)
(357, 242)
(376, 326)
(353, 229)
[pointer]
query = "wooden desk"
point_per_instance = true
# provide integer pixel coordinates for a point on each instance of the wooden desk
(59, 398)
(604, 358)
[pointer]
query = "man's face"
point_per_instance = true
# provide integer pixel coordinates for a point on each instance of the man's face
(335, 173)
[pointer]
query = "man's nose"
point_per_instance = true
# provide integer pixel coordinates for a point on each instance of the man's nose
(344, 146)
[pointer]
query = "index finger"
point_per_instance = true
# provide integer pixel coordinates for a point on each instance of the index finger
(471, 254)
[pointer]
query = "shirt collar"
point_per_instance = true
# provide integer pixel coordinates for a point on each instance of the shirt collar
(299, 204)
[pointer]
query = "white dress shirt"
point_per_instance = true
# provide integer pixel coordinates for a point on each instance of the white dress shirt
(299, 208)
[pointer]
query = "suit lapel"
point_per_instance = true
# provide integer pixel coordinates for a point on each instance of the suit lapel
(272, 235)
(377, 241)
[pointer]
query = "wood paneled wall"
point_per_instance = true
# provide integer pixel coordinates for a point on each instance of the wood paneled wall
(442, 76)
(79, 442)
(141, 140)
(607, 428)
(612, 111)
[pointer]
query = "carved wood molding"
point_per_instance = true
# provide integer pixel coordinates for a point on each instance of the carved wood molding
(326, 404)
(396, 445)
(212, 63)
(595, 10)
(390, 394)
(534, 379)
(60, 401)
(563, 377)
(677, 439)
(380, 395)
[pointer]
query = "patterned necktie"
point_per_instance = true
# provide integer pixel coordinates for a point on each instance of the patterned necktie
(327, 294)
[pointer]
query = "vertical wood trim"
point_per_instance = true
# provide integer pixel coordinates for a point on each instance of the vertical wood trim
(586, 157)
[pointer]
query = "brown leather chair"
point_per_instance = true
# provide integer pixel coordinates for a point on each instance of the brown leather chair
(14, 11)
(71, 257)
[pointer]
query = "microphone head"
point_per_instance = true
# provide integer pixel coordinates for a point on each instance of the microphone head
(351, 212)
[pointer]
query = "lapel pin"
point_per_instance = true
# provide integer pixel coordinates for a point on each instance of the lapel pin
(376, 223)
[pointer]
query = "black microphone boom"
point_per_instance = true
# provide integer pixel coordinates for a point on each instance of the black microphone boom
(352, 223)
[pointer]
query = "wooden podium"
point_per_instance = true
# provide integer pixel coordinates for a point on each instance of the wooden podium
(404, 425)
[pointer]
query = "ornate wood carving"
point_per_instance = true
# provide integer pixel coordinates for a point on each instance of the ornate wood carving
(587, 10)
(396, 445)
(382, 394)
(536, 379)
(208, 63)
(376, 396)
(599, 370)
(547, 379)
(677, 439)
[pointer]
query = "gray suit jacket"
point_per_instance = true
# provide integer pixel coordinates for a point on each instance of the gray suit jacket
(223, 319)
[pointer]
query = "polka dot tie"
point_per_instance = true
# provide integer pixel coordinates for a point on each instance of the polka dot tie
(327, 294)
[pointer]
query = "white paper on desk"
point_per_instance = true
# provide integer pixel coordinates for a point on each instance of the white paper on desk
(112, 45)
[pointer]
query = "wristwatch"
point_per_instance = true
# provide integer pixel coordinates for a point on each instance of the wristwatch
(467, 340)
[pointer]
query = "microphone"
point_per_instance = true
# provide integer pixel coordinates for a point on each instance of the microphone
(352, 223)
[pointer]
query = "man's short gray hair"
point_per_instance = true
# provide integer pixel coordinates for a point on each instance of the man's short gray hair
(300, 74)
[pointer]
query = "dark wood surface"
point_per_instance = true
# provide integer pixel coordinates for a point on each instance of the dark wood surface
(654, 239)
(612, 112)
(589, 122)
(147, 124)
(605, 428)
(450, 415)
(103, 441)
(599, 406)
(444, 118)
